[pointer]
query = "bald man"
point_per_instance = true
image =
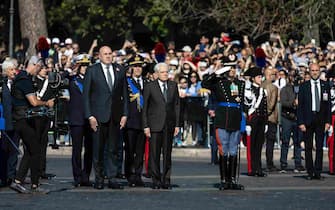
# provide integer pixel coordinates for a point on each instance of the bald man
(314, 117)
(106, 107)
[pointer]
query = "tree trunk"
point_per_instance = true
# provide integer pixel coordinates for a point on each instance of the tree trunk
(33, 22)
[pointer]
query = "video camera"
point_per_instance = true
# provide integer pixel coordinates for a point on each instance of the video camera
(57, 81)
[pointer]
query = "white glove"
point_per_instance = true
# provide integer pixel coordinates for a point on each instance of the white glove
(330, 131)
(248, 130)
(266, 129)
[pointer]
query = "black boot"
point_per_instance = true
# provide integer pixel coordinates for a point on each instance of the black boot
(233, 169)
(223, 172)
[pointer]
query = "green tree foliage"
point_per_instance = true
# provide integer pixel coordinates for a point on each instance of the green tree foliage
(90, 16)
(252, 17)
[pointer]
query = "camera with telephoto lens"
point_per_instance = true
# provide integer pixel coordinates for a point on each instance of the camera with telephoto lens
(57, 81)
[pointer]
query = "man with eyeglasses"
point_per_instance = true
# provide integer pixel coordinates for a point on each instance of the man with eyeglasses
(314, 117)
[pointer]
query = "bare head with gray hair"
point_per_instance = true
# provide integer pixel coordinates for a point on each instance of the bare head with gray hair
(9, 68)
(161, 69)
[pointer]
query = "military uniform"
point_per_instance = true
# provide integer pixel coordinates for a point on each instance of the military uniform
(134, 135)
(228, 115)
(257, 116)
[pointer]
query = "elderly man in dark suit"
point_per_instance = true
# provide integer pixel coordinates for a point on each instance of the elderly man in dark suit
(8, 153)
(314, 117)
(106, 107)
(161, 122)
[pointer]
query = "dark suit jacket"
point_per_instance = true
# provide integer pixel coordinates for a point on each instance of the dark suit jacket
(76, 103)
(156, 112)
(99, 101)
(6, 100)
(305, 104)
(134, 119)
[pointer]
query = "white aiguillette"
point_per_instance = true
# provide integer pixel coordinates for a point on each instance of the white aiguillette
(223, 70)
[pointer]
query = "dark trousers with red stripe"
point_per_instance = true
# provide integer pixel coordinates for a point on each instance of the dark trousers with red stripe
(331, 148)
(256, 142)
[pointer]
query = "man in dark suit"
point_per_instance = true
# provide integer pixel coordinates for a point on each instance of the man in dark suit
(314, 117)
(106, 107)
(134, 136)
(81, 133)
(8, 153)
(161, 122)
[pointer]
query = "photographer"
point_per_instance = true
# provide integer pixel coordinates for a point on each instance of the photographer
(24, 99)
(289, 103)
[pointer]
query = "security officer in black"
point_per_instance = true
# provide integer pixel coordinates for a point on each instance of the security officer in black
(257, 116)
(24, 99)
(134, 135)
(229, 93)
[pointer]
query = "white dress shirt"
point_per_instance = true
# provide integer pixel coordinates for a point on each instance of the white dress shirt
(313, 92)
(104, 68)
(161, 85)
(139, 80)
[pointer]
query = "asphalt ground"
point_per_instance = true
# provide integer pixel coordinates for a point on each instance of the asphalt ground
(194, 182)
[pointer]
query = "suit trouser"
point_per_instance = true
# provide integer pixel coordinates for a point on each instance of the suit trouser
(32, 155)
(257, 140)
(161, 141)
(318, 128)
(8, 156)
(81, 135)
(105, 147)
(271, 137)
(134, 147)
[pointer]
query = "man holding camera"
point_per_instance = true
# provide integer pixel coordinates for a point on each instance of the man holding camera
(24, 99)
(289, 104)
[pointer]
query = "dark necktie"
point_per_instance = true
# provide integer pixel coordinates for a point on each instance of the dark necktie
(165, 91)
(109, 78)
(138, 81)
(317, 97)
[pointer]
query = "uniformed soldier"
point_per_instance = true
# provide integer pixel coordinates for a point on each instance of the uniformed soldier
(229, 93)
(257, 116)
(134, 135)
(330, 141)
(80, 131)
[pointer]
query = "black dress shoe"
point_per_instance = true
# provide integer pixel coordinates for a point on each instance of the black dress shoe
(139, 183)
(99, 185)
(86, 184)
(115, 186)
(319, 177)
(120, 176)
(155, 187)
(261, 174)
(131, 184)
(76, 183)
(309, 177)
(47, 176)
(252, 174)
(166, 187)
